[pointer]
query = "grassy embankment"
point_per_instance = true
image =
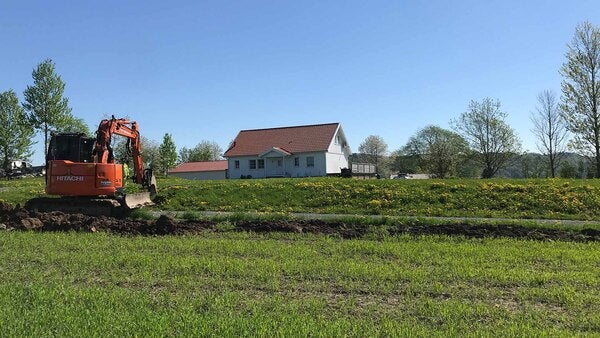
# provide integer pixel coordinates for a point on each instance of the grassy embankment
(231, 284)
(541, 198)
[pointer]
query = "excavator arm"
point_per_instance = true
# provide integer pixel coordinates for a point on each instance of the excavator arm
(125, 128)
(103, 152)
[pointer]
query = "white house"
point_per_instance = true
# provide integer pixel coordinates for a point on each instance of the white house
(209, 170)
(299, 151)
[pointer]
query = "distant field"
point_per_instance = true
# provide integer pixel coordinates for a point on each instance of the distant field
(512, 198)
(231, 284)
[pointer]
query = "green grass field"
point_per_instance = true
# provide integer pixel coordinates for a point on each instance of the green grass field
(511, 198)
(230, 284)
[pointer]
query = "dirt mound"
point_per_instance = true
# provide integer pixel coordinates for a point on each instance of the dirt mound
(22, 219)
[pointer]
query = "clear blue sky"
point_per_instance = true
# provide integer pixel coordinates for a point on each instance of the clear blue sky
(207, 69)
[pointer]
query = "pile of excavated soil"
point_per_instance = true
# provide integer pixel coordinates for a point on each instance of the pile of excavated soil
(22, 219)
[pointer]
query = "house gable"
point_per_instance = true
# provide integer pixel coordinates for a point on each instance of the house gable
(275, 152)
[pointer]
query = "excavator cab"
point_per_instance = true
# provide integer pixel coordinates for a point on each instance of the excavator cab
(74, 147)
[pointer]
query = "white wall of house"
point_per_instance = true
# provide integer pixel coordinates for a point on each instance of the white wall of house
(202, 175)
(337, 155)
(288, 167)
(335, 163)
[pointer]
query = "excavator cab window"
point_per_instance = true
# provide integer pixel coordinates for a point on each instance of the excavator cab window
(71, 147)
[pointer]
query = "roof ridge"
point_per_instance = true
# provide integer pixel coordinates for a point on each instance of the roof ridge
(290, 127)
(203, 161)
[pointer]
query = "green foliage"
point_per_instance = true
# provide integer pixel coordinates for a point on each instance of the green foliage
(168, 154)
(567, 170)
(73, 124)
(150, 153)
(439, 150)
(48, 109)
(16, 132)
(581, 91)
(242, 284)
(203, 151)
(402, 163)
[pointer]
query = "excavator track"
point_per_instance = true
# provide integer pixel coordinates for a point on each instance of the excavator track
(77, 205)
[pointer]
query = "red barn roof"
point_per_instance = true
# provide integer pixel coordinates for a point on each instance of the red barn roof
(200, 166)
(298, 139)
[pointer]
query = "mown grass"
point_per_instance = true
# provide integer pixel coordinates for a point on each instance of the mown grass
(230, 284)
(507, 198)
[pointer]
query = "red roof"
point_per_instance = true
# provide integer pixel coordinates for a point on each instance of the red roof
(200, 166)
(298, 139)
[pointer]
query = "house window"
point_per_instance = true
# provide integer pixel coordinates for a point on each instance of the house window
(261, 164)
(310, 161)
(252, 164)
(296, 161)
(236, 164)
(279, 163)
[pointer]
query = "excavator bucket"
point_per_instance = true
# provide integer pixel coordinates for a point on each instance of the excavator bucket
(133, 201)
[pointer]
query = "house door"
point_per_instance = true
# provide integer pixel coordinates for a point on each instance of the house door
(275, 167)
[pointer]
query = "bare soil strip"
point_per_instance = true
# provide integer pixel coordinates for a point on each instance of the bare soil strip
(22, 219)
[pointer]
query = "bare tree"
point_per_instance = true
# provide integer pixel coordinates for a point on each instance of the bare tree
(581, 91)
(494, 141)
(550, 129)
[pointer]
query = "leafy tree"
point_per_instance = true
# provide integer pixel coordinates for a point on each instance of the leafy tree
(15, 130)
(581, 91)
(48, 109)
(400, 162)
(73, 124)
(375, 148)
(550, 129)
(203, 151)
(484, 128)
(168, 153)
(439, 150)
(567, 170)
(150, 152)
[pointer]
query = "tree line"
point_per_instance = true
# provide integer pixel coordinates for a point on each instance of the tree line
(481, 143)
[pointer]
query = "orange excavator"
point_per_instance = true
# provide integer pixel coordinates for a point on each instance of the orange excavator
(83, 172)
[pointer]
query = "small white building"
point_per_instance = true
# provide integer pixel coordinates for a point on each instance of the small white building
(299, 151)
(209, 170)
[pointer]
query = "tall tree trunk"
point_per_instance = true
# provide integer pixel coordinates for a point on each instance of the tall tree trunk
(45, 139)
(597, 159)
(5, 161)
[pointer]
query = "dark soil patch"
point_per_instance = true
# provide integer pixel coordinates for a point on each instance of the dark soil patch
(22, 219)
